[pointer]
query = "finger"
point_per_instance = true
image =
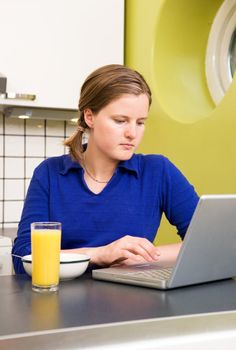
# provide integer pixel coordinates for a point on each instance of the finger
(150, 248)
(145, 244)
(139, 248)
(136, 259)
(121, 255)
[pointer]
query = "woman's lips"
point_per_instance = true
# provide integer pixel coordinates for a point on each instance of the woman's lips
(127, 146)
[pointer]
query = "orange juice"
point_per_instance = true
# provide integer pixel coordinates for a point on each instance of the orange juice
(45, 256)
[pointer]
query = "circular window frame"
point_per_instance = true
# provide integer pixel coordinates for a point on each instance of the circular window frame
(218, 71)
(232, 53)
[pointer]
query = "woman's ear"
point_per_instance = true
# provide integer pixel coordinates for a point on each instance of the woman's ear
(89, 117)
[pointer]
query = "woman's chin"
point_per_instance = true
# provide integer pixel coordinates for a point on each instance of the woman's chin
(126, 156)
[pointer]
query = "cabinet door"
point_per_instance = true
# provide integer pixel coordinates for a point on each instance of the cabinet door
(48, 47)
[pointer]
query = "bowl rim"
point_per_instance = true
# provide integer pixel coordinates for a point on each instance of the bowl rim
(29, 261)
(74, 261)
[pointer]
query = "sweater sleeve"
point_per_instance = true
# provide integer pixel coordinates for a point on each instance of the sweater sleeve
(179, 198)
(36, 208)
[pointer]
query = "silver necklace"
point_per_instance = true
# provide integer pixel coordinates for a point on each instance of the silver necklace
(91, 176)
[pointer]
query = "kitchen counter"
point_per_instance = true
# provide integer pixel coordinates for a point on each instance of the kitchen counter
(215, 331)
(7, 236)
(9, 232)
(84, 302)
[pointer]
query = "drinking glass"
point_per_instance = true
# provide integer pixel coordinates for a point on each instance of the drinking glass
(45, 244)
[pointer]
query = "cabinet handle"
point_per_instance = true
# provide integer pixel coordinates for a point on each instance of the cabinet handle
(16, 96)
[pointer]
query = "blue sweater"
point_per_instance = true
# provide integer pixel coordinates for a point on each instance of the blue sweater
(132, 203)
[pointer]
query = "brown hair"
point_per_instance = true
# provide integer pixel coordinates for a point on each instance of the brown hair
(100, 88)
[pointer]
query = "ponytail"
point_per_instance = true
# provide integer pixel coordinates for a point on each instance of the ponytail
(75, 141)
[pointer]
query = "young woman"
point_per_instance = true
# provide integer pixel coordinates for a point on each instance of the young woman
(108, 199)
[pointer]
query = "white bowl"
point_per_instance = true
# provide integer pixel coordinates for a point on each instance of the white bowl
(72, 265)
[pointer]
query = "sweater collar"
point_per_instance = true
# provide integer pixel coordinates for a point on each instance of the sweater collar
(130, 165)
(68, 163)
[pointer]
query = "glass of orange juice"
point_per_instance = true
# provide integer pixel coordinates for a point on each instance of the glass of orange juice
(45, 244)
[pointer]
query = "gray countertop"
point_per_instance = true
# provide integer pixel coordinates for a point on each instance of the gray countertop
(199, 332)
(86, 302)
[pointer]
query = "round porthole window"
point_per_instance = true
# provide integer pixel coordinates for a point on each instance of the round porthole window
(232, 54)
(221, 51)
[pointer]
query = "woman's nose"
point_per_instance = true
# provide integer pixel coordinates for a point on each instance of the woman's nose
(130, 131)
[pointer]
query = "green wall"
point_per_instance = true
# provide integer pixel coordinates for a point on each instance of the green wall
(166, 41)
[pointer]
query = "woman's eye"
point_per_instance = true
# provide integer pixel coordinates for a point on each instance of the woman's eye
(119, 121)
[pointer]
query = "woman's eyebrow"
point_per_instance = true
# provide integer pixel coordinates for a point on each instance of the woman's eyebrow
(126, 116)
(120, 115)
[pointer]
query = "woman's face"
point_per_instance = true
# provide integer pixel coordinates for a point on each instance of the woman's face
(117, 129)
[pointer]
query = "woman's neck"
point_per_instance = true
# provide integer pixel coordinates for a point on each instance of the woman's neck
(98, 167)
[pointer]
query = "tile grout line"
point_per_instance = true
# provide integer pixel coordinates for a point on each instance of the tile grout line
(3, 175)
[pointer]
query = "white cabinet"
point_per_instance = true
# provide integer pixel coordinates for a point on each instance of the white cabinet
(48, 47)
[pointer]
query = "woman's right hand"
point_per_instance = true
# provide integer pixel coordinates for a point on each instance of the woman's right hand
(125, 251)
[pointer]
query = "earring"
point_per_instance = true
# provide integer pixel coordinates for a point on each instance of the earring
(85, 137)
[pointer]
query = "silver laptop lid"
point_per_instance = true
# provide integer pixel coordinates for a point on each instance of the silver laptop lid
(209, 249)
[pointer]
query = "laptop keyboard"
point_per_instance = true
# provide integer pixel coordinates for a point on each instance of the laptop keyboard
(160, 275)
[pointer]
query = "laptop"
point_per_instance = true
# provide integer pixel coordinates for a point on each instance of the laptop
(208, 252)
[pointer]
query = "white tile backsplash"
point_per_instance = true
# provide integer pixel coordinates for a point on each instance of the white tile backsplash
(70, 128)
(12, 225)
(27, 182)
(54, 146)
(34, 127)
(1, 167)
(14, 189)
(14, 146)
(14, 168)
(23, 145)
(12, 211)
(1, 213)
(67, 150)
(35, 146)
(14, 126)
(1, 191)
(1, 123)
(1, 145)
(55, 128)
(31, 164)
